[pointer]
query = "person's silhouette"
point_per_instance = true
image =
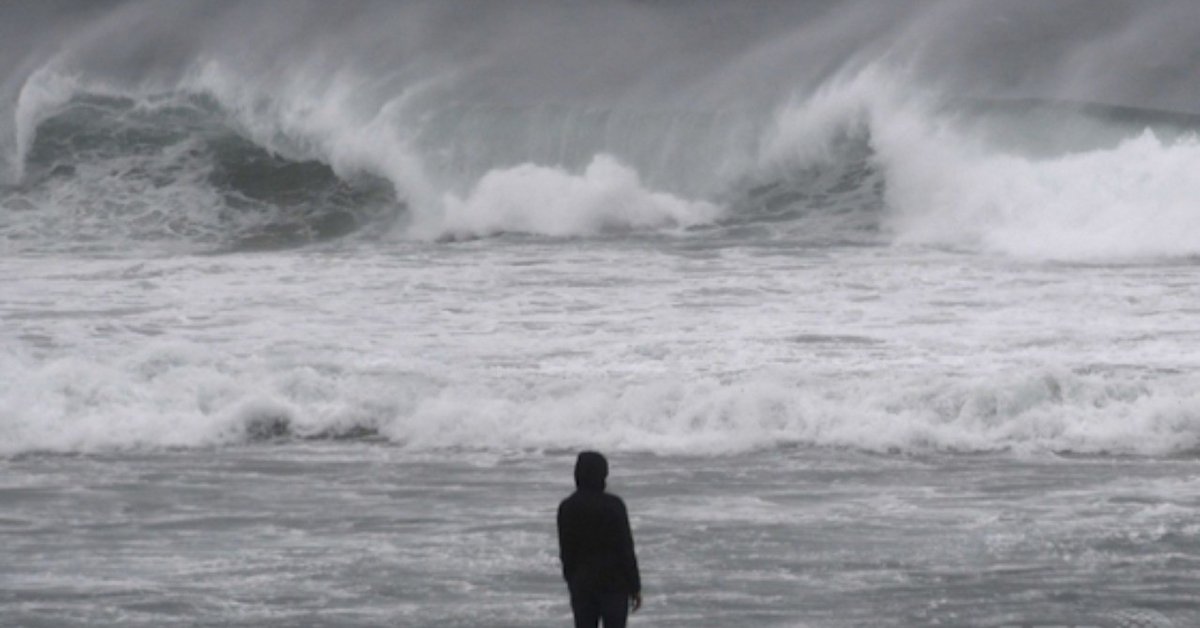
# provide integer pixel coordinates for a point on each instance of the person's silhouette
(596, 548)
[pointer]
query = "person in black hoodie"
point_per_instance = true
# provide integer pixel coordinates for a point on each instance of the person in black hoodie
(596, 548)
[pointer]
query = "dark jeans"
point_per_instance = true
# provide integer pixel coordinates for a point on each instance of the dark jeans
(590, 607)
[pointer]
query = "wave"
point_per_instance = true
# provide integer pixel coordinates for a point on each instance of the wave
(814, 123)
(107, 172)
(178, 395)
(862, 160)
(1036, 180)
(207, 165)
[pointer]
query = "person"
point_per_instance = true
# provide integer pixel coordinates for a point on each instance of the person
(596, 548)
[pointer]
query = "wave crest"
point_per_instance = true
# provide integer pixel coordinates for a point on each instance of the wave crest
(215, 164)
(1040, 181)
(109, 172)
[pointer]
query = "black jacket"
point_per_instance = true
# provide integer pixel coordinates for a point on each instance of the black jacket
(594, 539)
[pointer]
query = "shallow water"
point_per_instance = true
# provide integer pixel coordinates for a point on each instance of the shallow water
(360, 534)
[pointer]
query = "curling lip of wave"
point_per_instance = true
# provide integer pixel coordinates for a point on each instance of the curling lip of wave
(1032, 181)
(109, 170)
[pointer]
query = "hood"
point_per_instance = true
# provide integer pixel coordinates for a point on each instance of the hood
(590, 471)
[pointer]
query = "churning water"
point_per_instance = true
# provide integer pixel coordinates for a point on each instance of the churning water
(886, 312)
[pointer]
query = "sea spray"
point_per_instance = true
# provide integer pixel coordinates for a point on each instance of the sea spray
(951, 180)
(606, 197)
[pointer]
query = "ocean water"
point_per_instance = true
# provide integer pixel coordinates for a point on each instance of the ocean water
(882, 320)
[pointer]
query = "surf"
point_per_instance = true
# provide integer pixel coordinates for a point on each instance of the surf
(889, 145)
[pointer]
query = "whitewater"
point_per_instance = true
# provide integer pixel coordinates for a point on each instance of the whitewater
(885, 313)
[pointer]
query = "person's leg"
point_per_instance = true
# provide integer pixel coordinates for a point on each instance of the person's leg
(614, 609)
(586, 610)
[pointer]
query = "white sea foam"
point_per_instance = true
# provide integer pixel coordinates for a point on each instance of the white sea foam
(322, 118)
(943, 185)
(948, 183)
(1135, 201)
(607, 196)
(528, 198)
(177, 394)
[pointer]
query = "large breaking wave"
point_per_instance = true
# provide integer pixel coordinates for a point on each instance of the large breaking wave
(815, 122)
(107, 172)
(858, 160)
